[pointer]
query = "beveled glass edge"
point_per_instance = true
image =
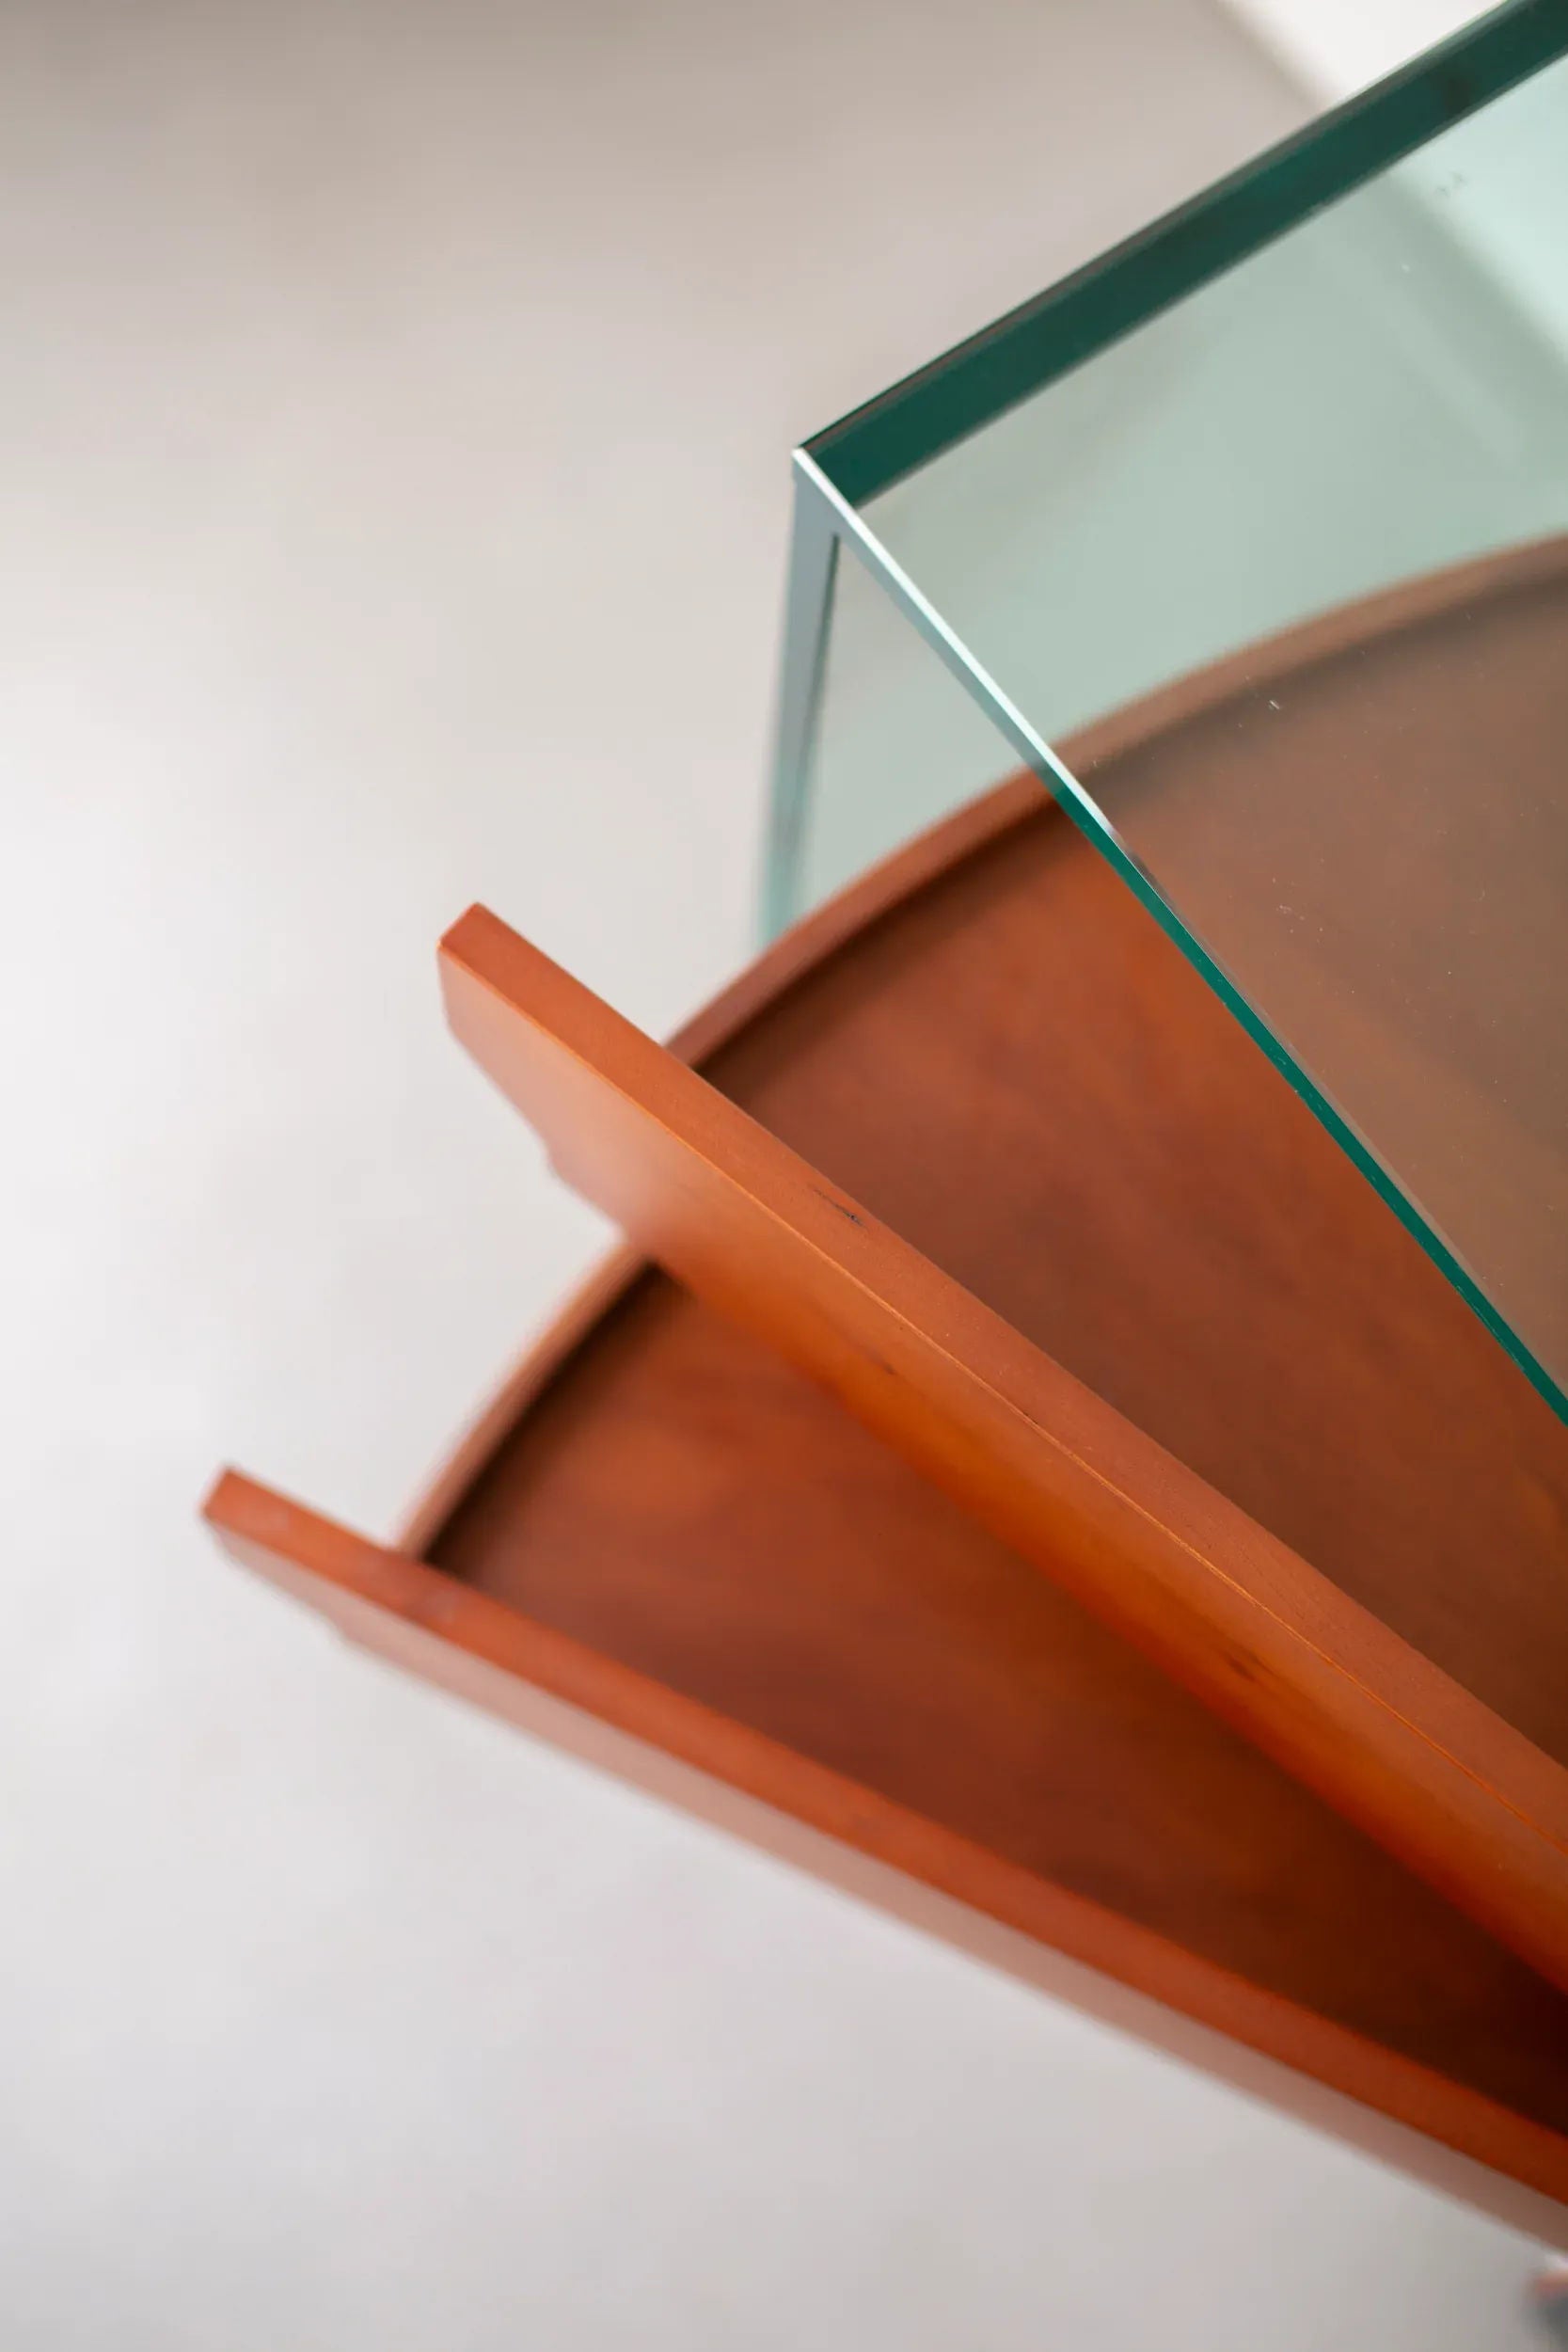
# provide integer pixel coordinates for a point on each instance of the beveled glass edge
(915, 420)
(823, 512)
(808, 620)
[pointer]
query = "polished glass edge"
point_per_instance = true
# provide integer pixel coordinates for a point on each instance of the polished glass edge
(808, 621)
(824, 514)
(950, 397)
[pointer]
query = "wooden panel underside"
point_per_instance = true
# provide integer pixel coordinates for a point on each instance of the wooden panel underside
(683, 1502)
(1484, 2015)
(1273, 1646)
(1368, 813)
(992, 1047)
(1016, 1071)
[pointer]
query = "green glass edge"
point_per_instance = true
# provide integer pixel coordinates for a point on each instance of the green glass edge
(809, 595)
(950, 397)
(1092, 822)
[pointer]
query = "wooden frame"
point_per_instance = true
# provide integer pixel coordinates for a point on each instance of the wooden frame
(860, 1677)
(1272, 1647)
(1439, 2130)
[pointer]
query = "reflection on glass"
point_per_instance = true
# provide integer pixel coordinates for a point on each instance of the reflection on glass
(898, 744)
(1320, 506)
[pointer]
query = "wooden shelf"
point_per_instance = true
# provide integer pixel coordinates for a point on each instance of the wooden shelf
(1074, 1512)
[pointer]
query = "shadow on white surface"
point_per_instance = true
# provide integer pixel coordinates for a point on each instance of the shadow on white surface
(394, 425)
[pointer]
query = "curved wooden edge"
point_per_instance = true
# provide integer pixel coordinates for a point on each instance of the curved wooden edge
(529, 1376)
(935, 851)
(1407, 2114)
(1351, 627)
(1275, 1648)
(792, 955)
(852, 910)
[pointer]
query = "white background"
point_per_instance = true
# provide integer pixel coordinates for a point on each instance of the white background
(394, 410)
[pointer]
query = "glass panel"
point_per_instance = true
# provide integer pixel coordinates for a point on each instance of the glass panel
(1320, 506)
(899, 744)
(1374, 395)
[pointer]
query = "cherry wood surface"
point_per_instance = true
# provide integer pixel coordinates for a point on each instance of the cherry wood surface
(654, 1505)
(1278, 1649)
(1017, 1073)
(661, 1535)
(924, 1719)
(1369, 815)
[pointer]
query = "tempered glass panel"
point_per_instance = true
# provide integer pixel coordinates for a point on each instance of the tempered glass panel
(1332, 482)
(899, 744)
(1381, 392)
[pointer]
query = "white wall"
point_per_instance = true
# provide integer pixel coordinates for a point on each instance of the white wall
(394, 423)
(1330, 48)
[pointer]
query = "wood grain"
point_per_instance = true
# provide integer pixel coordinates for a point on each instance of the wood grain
(807, 949)
(1366, 817)
(665, 1548)
(1014, 1069)
(931, 1724)
(1276, 1648)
